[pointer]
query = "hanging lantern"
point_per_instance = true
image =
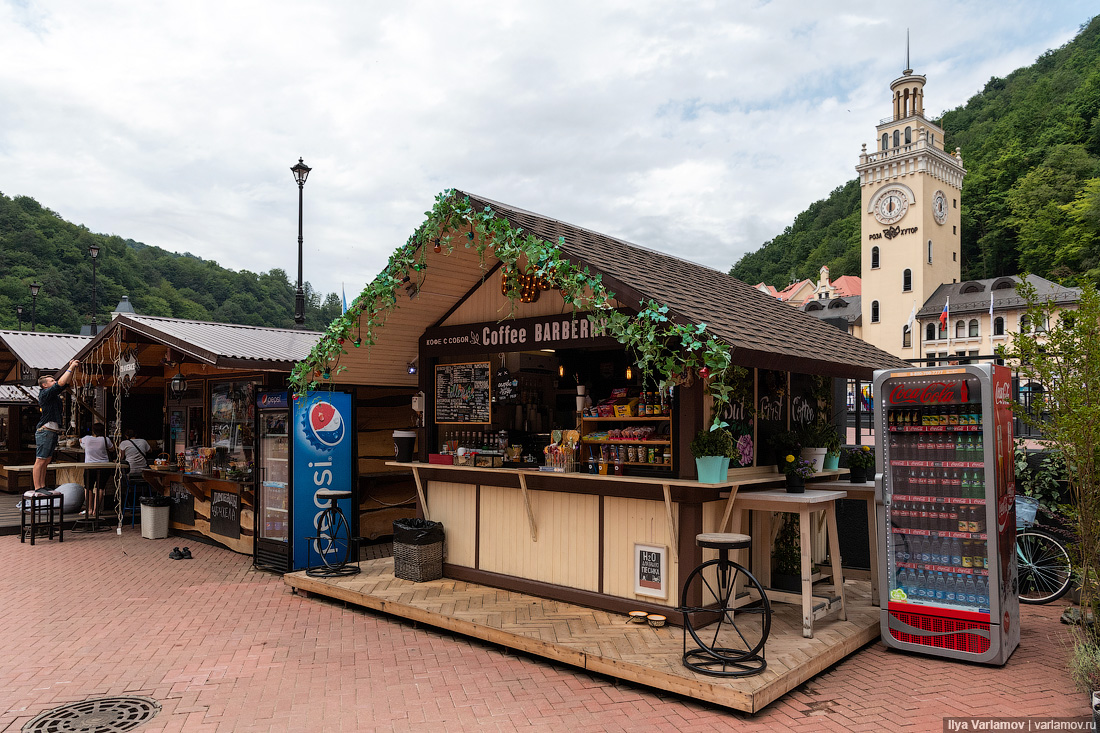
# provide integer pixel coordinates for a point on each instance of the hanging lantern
(178, 386)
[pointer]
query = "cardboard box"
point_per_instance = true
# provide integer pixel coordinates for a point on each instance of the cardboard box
(626, 408)
(443, 459)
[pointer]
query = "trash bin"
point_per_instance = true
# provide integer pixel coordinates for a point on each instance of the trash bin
(154, 516)
(403, 443)
(417, 550)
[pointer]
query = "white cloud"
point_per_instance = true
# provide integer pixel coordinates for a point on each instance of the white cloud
(697, 128)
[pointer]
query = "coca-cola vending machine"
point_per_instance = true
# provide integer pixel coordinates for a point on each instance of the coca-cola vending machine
(945, 493)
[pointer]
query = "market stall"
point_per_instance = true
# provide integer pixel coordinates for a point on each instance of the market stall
(563, 376)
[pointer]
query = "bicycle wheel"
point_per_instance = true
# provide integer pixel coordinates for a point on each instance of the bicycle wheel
(1044, 569)
(732, 623)
(334, 542)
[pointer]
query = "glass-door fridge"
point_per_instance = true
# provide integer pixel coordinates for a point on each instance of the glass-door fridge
(273, 505)
(945, 494)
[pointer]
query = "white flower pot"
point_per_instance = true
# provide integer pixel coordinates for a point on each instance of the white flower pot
(815, 456)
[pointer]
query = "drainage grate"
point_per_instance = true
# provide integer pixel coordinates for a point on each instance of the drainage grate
(102, 715)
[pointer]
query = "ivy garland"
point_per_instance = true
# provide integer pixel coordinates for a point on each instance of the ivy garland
(672, 351)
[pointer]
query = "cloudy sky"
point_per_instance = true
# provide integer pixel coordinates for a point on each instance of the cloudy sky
(696, 128)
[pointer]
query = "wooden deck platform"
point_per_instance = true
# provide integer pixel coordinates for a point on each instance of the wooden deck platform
(605, 643)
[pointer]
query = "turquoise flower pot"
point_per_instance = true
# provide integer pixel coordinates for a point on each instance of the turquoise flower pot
(712, 469)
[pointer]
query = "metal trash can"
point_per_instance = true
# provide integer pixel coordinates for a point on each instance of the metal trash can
(154, 517)
(417, 550)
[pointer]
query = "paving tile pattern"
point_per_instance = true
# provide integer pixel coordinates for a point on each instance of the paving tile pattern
(225, 648)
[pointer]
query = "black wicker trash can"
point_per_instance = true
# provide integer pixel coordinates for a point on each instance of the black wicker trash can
(417, 550)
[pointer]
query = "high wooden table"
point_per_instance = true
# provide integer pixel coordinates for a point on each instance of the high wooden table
(76, 473)
(814, 607)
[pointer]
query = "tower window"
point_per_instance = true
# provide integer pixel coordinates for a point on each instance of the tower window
(930, 332)
(972, 327)
(930, 251)
(998, 326)
(906, 338)
(908, 135)
(874, 258)
(885, 141)
(874, 311)
(907, 280)
(897, 138)
(931, 138)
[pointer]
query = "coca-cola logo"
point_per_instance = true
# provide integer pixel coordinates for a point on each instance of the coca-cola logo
(1005, 503)
(1004, 393)
(934, 393)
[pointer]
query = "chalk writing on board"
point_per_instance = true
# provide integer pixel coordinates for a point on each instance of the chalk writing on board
(463, 393)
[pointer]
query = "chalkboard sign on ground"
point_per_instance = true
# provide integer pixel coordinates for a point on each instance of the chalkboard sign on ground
(225, 513)
(182, 510)
(463, 393)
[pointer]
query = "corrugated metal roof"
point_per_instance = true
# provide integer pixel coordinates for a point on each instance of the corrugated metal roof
(975, 299)
(43, 351)
(18, 394)
(762, 331)
(216, 343)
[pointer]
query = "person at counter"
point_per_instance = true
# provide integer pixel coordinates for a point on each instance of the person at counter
(49, 425)
(97, 449)
(135, 451)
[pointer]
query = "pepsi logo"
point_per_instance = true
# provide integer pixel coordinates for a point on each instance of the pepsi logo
(325, 424)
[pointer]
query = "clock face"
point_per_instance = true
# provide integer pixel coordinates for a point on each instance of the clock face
(939, 207)
(891, 206)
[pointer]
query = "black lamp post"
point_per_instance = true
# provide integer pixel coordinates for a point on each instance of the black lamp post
(93, 250)
(301, 172)
(35, 287)
(19, 313)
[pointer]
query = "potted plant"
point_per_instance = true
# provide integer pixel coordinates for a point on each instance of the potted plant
(797, 470)
(819, 439)
(785, 443)
(712, 449)
(787, 556)
(861, 464)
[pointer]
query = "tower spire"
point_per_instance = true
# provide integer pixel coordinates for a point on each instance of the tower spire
(908, 67)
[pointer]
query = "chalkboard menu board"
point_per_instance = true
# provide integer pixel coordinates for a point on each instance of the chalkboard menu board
(225, 512)
(463, 393)
(182, 509)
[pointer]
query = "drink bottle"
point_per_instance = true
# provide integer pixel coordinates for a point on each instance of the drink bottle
(922, 585)
(940, 588)
(926, 551)
(982, 592)
(971, 592)
(950, 596)
(963, 523)
(934, 552)
(956, 553)
(911, 583)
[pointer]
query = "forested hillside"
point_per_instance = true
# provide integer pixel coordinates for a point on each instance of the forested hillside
(1031, 198)
(37, 245)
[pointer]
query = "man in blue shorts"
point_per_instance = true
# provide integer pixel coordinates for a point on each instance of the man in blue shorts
(49, 425)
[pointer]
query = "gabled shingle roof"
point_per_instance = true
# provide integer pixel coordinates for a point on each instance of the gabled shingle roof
(762, 331)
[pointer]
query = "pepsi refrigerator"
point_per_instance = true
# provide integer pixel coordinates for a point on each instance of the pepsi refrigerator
(304, 445)
(945, 493)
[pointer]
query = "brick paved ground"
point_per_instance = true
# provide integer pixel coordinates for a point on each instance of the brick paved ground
(226, 648)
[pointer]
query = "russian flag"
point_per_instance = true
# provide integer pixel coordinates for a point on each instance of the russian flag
(943, 316)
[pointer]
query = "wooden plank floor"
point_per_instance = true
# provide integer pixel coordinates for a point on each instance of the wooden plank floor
(602, 642)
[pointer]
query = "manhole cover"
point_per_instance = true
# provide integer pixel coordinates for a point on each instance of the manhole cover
(103, 715)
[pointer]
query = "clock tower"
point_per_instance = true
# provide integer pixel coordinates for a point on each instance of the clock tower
(909, 226)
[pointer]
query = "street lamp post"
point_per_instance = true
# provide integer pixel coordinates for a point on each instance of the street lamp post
(93, 250)
(301, 172)
(35, 287)
(19, 313)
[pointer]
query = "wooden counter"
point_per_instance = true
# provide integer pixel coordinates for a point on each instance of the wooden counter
(576, 536)
(220, 509)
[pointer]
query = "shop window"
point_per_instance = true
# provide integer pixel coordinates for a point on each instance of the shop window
(998, 326)
(906, 338)
(874, 311)
(972, 327)
(907, 280)
(874, 258)
(930, 332)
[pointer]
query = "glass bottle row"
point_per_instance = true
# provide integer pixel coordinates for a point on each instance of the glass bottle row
(937, 517)
(969, 413)
(938, 482)
(941, 447)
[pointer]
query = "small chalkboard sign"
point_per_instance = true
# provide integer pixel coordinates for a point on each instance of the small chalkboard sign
(225, 512)
(182, 510)
(506, 387)
(651, 570)
(463, 393)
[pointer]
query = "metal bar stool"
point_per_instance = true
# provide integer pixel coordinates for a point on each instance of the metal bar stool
(726, 612)
(334, 544)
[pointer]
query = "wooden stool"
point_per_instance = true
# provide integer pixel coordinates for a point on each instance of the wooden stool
(724, 593)
(327, 544)
(52, 505)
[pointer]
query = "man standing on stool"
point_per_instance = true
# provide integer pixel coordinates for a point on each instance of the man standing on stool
(49, 425)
